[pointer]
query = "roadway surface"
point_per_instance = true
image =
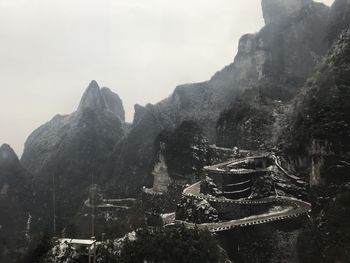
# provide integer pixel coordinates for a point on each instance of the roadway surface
(293, 207)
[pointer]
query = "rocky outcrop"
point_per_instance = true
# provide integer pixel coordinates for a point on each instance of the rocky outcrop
(186, 151)
(277, 58)
(320, 150)
(130, 166)
(102, 100)
(70, 148)
(15, 205)
(284, 56)
(339, 19)
(7, 156)
(161, 178)
(286, 44)
(258, 122)
(276, 11)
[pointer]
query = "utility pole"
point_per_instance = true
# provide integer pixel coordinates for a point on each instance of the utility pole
(92, 199)
(54, 203)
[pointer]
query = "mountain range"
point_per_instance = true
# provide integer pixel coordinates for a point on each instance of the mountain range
(287, 90)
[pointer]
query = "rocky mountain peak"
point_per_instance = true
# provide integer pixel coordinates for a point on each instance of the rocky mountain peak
(92, 98)
(275, 11)
(7, 155)
(74, 145)
(113, 102)
(101, 99)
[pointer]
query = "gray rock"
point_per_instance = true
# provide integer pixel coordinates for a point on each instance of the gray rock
(7, 155)
(72, 147)
(15, 205)
(281, 55)
(276, 11)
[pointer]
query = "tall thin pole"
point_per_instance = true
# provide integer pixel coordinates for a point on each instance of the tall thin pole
(92, 206)
(54, 203)
(93, 217)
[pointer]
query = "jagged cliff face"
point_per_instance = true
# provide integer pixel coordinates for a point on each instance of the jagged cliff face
(96, 117)
(298, 42)
(156, 155)
(70, 148)
(15, 204)
(241, 105)
(102, 100)
(275, 11)
(131, 163)
(339, 19)
(292, 42)
(282, 53)
(295, 38)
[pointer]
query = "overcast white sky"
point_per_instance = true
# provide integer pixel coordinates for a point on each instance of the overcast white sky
(141, 49)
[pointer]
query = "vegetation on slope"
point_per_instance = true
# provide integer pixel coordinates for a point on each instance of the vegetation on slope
(169, 245)
(186, 152)
(321, 115)
(249, 123)
(319, 129)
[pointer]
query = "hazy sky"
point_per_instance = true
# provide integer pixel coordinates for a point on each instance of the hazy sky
(141, 49)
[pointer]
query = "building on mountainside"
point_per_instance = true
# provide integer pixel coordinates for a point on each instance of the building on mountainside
(79, 250)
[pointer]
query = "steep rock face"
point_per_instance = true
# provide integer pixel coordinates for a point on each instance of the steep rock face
(318, 132)
(339, 19)
(131, 163)
(295, 44)
(8, 156)
(281, 71)
(282, 54)
(186, 151)
(162, 153)
(247, 125)
(15, 205)
(318, 126)
(102, 100)
(269, 54)
(275, 11)
(68, 149)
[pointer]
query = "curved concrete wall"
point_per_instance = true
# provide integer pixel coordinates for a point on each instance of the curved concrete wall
(235, 178)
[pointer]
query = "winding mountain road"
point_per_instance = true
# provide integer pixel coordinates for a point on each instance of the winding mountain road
(293, 207)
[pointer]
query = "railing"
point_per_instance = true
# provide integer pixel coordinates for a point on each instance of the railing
(299, 207)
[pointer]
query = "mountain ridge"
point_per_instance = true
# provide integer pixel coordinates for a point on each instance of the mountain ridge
(258, 60)
(71, 147)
